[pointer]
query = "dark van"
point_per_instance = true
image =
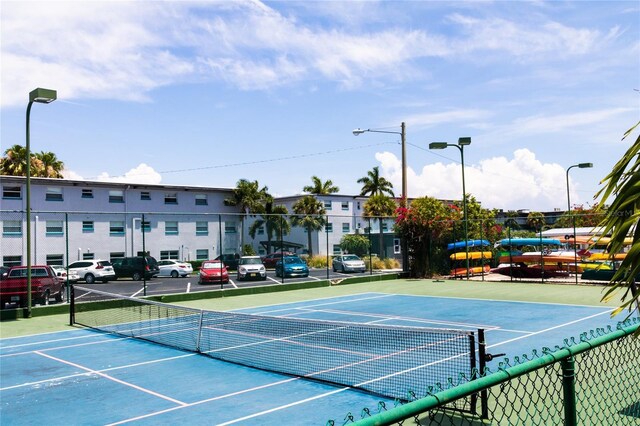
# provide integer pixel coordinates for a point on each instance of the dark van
(137, 267)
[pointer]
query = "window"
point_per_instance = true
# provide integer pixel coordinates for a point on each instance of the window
(116, 196)
(88, 256)
(55, 259)
(229, 227)
(87, 193)
(146, 226)
(202, 254)
(337, 249)
(54, 227)
(11, 192)
(145, 195)
(201, 200)
(116, 227)
(12, 227)
(171, 198)
(202, 228)
(12, 260)
(328, 227)
(168, 254)
(346, 227)
(261, 230)
(396, 246)
(327, 205)
(345, 205)
(114, 256)
(171, 228)
(385, 226)
(87, 226)
(358, 205)
(53, 194)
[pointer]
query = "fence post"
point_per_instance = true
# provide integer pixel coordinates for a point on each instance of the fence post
(569, 391)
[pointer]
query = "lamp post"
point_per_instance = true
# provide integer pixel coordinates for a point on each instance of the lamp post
(403, 140)
(462, 142)
(42, 96)
(575, 249)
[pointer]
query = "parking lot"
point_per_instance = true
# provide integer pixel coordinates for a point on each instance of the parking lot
(189, 284)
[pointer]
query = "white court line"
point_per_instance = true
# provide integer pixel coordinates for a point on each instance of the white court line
(68, 346)
(377, 296)
(401, 318)
(137, 292)
(71, 376)
(87, 336)
(232, 283)
(106, 376)
(215, 398)
(188, 287)
(549, 329)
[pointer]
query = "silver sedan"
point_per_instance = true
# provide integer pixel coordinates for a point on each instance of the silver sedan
(174, 269)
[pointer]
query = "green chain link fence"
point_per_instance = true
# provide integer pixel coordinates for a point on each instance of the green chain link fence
(593, 381)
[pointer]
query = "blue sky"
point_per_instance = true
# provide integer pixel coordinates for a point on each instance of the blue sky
(205, 93)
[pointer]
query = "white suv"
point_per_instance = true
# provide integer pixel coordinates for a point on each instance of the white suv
(251, 267)
(92, 270)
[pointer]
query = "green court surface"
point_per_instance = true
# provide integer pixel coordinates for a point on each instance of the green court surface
(588, 295)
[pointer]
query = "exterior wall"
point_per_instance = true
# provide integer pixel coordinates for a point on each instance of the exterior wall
(115, 213)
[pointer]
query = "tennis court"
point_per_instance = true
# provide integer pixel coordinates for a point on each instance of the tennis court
(82, 376)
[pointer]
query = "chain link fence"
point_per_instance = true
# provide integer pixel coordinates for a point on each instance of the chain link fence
(594, 381)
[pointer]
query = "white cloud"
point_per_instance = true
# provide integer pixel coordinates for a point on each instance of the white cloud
(141, 174)
(513, 183)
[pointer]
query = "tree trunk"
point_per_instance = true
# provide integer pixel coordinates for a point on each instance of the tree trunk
(309, 241)
(381, 246)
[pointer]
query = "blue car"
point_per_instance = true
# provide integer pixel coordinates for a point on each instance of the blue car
(293, 267)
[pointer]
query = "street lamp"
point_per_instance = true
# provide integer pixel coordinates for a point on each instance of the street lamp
(462, 142)
(575, 249)
(42, 96)
(405, 196)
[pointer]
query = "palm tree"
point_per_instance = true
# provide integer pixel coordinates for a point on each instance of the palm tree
(271, 217)
(624, 220)
(379, 206)
(50, 166)
(43, 164)
(309, 215)
(374, 184)
(321, 188)
(14, 162)
(249, 197)
(535, 221)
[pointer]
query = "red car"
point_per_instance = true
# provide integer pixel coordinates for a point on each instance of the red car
(213, 271)
(270, 260)
(44, 285)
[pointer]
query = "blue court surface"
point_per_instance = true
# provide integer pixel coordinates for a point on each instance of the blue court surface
(87, 377)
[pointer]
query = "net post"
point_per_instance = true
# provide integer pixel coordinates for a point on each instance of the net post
(199, 330)
(72, 305)
(482, 356)
(474, 369)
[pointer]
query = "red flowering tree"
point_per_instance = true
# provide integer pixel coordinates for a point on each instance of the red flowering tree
(426, 226)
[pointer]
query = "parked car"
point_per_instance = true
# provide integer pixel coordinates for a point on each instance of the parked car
(230, 260)
(251, 267)
(270, 260)
(3, 272)
(348, 263)
(174, 269)
(213, 271)
(136, 267)
(44, 285)
(61, 272)
(292, 266)
(92, 270)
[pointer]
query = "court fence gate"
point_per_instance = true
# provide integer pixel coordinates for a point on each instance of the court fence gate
(593, 381)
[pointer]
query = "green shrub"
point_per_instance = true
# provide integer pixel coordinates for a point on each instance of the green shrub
(317, 262)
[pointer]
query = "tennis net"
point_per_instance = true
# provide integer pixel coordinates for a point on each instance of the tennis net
(392, 361)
